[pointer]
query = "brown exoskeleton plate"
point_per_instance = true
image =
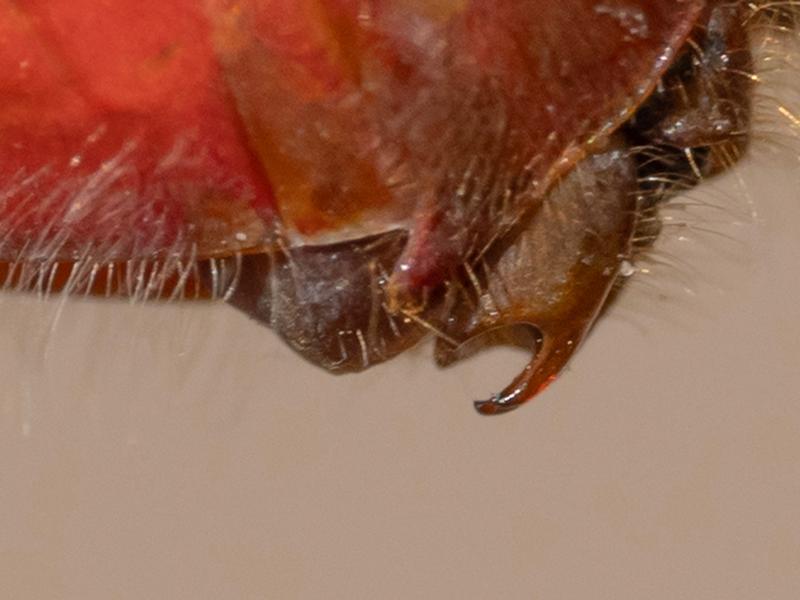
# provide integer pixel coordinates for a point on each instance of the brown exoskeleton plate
(357, 175)
(543, 275)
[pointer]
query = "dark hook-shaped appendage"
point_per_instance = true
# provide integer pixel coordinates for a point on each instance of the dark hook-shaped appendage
(559, 272)
(544, 287)
(550, 358)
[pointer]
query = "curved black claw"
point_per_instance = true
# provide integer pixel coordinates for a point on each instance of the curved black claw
(501, 403)
(553, 278)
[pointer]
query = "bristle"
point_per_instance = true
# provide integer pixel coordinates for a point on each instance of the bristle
(678, 197)
(676, 200)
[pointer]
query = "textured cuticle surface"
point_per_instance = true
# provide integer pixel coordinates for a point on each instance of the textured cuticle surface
(366, 173)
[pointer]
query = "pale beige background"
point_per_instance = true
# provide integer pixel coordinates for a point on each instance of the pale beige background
(182, 452)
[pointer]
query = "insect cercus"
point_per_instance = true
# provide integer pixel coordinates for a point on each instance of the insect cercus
(360, 174)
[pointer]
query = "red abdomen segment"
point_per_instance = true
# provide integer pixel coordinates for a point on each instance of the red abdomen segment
(133, 127)
(118, 136)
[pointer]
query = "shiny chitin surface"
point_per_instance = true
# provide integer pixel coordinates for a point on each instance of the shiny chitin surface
(147, 127)
(363, 173)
